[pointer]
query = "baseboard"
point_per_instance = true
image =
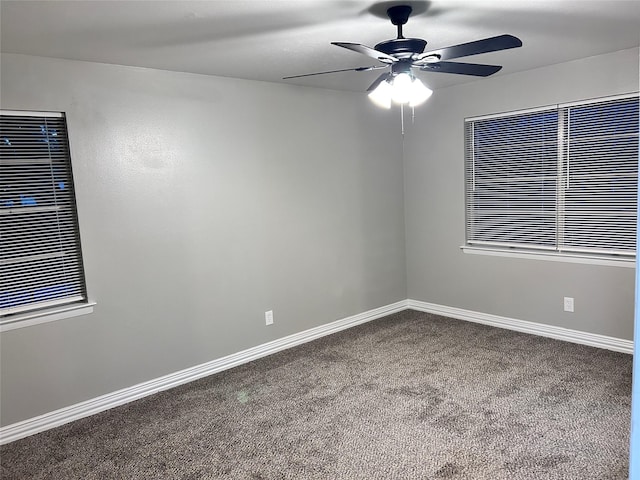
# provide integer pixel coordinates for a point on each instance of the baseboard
(559, 333)
(59, 417)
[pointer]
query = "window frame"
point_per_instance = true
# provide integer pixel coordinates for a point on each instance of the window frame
(540, 252)
(56, 307)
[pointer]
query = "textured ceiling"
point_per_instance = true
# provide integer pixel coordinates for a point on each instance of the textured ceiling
(268, 39)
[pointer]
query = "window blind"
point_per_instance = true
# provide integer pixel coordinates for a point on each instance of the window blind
(511, 165)
(40, 255)
(562, 178)
(601, 177)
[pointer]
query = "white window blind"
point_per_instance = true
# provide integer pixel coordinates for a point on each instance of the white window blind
(40, 256)
(601, 177)
(560, 179)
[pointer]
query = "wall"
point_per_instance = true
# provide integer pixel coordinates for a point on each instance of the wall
(439, 272)
(203, 202)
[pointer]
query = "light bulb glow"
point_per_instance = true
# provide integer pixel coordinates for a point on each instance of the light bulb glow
(419, 93)
(401, 88)
(381, 95)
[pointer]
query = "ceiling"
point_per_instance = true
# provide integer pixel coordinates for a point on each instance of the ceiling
(269, 39)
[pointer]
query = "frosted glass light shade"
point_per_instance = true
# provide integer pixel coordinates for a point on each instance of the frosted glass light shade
(381, 95)
(402, 88)
(419, 93)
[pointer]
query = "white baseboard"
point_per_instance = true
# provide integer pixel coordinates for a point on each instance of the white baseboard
(68, 414)
(559, 333)
(59, 417)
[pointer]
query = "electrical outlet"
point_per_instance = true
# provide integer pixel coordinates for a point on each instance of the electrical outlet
(568, 304)
(268, 317)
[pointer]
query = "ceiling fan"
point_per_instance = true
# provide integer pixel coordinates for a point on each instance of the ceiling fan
(401, 55)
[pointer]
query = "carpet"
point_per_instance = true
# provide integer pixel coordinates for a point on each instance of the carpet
(409, 396)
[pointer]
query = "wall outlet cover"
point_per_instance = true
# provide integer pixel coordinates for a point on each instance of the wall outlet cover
(568, 304)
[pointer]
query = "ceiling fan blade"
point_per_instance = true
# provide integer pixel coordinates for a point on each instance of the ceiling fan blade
(368, 51)
(359, 69)
(378, 81)
(475, 69)
(493, 44)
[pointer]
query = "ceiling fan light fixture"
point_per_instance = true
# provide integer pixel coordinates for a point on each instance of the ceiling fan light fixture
(402, 88)
(401, 54)
(381, 95)
(419, 93)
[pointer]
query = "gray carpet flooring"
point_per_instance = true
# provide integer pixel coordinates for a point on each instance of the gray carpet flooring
(410, 396)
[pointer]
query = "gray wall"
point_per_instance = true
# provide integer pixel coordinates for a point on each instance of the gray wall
(203, 202)
(439, 272)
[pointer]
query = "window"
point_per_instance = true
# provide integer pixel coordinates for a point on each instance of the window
(40, 256)
(561, 180)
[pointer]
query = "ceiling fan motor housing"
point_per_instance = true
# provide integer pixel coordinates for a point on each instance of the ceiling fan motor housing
(403, 66)
(402, 47)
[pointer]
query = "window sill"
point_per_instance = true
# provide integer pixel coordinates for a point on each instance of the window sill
(44, 316)
(551, 257)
